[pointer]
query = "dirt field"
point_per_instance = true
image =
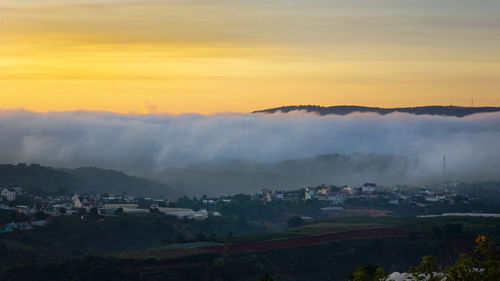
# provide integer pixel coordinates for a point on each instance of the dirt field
(303, 241)
(354, 212)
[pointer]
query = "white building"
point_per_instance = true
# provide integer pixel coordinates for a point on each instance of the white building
(349, 190)
(368, 189)
(9, 194)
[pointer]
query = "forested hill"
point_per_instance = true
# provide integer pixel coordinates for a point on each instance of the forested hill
(42, 179)
(457, 111)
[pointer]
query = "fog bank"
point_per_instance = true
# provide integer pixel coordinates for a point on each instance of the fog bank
(153, 144)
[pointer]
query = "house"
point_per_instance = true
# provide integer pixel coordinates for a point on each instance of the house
(394, 201)
(10, 227)
(310, 193)
(322, 197)
(266, 194)
(200, 215)
(337, 199)
(16, 188)
(349, 190)
(323, 190)
(9, 194)
(84, 202)
(177, 212)
(277, 196)
(4, 229)
(368, 188)
(25, 226)
(77, 203)
(135, 211)
(128, 205)
(208, 201)
(432, 199)
(268, 197)
(39, 223)
(131, 199)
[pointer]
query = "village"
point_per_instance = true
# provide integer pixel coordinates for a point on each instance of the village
(419, 196)
(335, 201)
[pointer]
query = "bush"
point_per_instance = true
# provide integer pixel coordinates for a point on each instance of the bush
(201, 237)
(94, 213)
(39, 215)
(295, 221)
(367, 273)
(436, 232)
(119, 211)
(453, 228)
(180, 239)
(219, 262)
(481, 264)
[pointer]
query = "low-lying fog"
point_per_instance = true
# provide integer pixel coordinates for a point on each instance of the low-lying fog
(231, 153)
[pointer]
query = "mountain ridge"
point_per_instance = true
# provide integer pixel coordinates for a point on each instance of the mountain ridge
(454, 111)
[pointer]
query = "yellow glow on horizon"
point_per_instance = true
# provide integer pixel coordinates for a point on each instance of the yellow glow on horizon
(177, 57)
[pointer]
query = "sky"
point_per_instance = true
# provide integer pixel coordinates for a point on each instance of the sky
(181, 56)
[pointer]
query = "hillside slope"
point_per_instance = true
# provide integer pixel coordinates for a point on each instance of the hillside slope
(50, 180)
(236, 176)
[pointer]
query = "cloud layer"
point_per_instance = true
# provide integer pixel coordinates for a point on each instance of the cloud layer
(149, 144)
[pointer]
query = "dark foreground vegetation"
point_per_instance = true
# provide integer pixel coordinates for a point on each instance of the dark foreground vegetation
(137, 248)
(479, 264)
(72, 236)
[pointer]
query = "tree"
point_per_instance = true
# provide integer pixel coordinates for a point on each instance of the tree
(266, 277)
(453, 228)
(39, 215)
(213, 237)
(295, 221)
(482, 264)
(241, 198)
(119, 211)
(241, 221)
(201, 237)
(154, 211)
(218, 262)
(94, 213)
(427, 270)
(436, 232)
(180, 239)
(368, 273)
(229, 237)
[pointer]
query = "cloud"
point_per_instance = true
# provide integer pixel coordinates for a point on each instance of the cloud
(149, 144)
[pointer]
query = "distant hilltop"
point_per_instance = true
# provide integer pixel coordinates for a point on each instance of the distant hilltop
(457, 111)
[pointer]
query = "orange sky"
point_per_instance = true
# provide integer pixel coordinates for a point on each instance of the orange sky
(211, 56)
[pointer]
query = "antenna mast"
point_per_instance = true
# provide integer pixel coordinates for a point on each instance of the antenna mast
(444, 168)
